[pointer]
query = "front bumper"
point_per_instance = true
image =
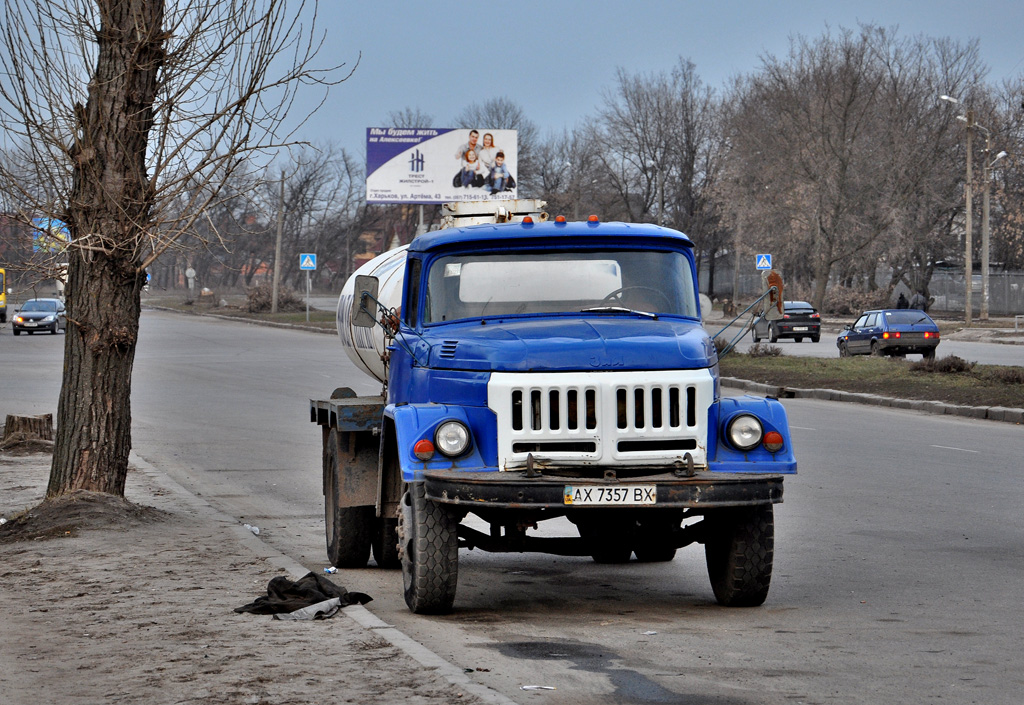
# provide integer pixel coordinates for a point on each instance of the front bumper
(514, 490)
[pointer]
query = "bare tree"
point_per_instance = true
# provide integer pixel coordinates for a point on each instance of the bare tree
(130, 107)
(842, 143)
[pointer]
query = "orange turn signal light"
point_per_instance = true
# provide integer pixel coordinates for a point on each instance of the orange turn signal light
(424, 449)
(773, 441)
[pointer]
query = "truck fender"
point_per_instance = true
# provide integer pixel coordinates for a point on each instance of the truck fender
(410, 423)
(723, 457)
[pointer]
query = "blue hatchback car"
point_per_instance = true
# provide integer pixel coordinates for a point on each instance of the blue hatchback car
(897, 332)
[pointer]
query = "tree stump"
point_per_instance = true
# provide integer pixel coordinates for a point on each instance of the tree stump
(24, 428)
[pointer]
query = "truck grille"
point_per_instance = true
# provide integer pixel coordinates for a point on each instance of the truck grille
(601, 418)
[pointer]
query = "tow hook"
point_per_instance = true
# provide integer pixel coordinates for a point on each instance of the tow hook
(687, 470)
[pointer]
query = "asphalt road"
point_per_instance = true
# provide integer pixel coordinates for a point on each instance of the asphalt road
(899, 565)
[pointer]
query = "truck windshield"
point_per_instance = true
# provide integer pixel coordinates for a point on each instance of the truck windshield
(474, 285)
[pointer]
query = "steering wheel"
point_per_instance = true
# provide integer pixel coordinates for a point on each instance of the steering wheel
(616, 296)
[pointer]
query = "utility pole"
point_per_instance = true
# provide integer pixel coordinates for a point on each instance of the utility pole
(968, 244)
(277, 248)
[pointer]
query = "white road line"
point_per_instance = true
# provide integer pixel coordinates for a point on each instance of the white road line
(962, 450)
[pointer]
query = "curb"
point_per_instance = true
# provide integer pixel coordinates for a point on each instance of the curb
(356, 613)
(249, 321)
(991, 413)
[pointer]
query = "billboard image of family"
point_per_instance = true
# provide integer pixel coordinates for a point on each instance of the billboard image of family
(439, 165)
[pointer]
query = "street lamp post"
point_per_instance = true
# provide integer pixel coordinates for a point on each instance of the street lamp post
(968, 199)
(987, 176)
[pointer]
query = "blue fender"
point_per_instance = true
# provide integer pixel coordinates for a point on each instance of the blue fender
(416, 422)
(722, 457)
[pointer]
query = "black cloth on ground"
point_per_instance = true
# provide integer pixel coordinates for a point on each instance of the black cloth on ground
(284, 595)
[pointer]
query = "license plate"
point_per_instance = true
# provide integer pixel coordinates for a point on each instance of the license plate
(620, 494)
(800, 328)
(30, 324)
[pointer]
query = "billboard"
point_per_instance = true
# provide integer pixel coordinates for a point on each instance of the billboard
(440, 165)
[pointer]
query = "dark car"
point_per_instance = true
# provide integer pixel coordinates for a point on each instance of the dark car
(38, 315)
(799, 320)
(896, 332)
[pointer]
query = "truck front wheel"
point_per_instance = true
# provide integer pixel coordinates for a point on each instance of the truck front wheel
(428, 544)
(348, 528)
(739, 547)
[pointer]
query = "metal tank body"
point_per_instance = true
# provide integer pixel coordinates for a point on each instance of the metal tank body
(365, 346)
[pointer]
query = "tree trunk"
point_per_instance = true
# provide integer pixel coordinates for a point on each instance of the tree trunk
(108, 213)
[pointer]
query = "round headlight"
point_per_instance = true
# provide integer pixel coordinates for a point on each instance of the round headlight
(744, 432)
(452, 438)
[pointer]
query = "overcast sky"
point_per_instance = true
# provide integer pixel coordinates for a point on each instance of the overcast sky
(556, 58)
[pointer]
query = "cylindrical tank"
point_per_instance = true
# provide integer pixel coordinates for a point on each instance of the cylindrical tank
(364, 346)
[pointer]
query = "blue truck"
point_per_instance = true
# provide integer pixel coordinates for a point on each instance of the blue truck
(533, 370)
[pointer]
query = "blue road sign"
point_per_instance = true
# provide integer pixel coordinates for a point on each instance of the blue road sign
(307, 260)
(763, 261)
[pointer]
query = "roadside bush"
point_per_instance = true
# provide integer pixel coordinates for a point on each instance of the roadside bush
(951, 364)
(1009, 375)
(764, 350)
(842, 301)
(260, 299)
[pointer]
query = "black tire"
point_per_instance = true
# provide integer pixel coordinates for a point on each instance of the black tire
(385, 543)
(652, 536)
(815, 338)
(429, 548)
(844, 351)
(876, 350)
(739, 549)
(53, 329)
(609, 540)
(349, 529)
(929, 355)
(754, 336)
(773, 335)
(17, 332)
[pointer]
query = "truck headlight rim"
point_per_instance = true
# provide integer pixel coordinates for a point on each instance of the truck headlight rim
(744, 431)
(452, 438)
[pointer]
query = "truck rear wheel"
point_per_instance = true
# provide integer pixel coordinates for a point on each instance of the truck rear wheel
(429, 549)
(609, 540)
(739, 548)
(652, 541)
(385, 543)
(348, 528)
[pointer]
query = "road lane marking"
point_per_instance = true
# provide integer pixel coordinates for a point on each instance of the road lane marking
(962, 450)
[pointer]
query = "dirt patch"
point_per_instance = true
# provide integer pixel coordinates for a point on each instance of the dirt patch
(76, 511)
(133, 602)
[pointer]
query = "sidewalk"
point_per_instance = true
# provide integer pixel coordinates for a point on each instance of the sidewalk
(138, 607)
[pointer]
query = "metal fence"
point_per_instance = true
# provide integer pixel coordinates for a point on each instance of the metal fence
(1006, 290)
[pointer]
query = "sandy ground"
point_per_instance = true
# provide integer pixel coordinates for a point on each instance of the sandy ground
(112, 602)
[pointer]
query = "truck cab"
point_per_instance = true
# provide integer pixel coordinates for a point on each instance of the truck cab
(547, 370)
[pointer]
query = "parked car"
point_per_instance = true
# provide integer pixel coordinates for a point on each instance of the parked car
(896, 332)
(38, 315)
(799, 320)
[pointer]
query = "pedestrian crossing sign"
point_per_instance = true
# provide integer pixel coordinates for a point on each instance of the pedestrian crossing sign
(307, 260)
(764, 261)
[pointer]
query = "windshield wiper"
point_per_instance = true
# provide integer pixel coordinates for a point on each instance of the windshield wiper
(618, 309)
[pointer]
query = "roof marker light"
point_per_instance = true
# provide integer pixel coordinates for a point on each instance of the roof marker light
(560, 219)
(593, 219)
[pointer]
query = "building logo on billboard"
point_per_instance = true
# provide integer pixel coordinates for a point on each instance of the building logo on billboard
(416, 162)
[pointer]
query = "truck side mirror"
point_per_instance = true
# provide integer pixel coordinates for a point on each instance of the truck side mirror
(364, 302)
